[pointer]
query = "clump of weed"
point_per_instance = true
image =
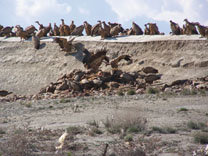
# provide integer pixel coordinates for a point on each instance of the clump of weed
(164, 130)
(201, 138)
(128, 138)
(94, 131)
(196, 125)
(131, 92)
(73, 130)
(183, 109)
(125, 123)
(120, 93)
(187, 91)
(64, 100)
(27, 104)
(151, 90)
(19, 143)
(93, 123)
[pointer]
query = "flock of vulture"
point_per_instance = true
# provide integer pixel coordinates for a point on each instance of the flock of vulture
(101, 28)
(94, 60)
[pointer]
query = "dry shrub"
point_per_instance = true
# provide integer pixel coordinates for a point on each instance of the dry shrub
(125, 122)
(18, 144)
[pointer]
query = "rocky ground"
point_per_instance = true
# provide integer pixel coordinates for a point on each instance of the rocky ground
(157, 104)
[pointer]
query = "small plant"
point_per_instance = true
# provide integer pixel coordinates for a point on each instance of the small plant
(195, 125)
(94, 131)
(27, 104)
(201, 138)
(93, 123)
(183, 109)
(73, 130)
(128, 138)
(152, 90)
(125, 123)
(120, 93)
(2, 131)
(131, 92)
(187, 91)
(65, 100)
(164, 130)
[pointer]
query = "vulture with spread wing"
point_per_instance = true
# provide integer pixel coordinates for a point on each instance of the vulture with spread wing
(114, 63)
(93, 61)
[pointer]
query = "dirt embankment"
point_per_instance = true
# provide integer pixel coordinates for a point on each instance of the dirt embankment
(24, 70)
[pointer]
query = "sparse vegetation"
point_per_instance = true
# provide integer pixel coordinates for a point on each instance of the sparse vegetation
(151, 90)
(18, 144)
(196, 125)
(183, 109)
(126, 123)
(131, 92)
(128, 138)
(64, 100)
(27, 104)
(120, 93)
(73, 130)
(201, 137)
(93, 123)
(2, 131)
(187, 91)
(164, 130)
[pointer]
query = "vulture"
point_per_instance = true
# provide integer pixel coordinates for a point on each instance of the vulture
(64, 44)
(93, 61)
(114, 63)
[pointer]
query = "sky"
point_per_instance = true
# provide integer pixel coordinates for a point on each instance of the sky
(26, 12)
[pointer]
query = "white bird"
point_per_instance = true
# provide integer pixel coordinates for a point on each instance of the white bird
(61, 140)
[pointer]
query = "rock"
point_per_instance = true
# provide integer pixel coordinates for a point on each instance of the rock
(62, 86)
(4, 93)
(140, 91)
(201, 64)
(149, 70)
(75, 86)
(84, 81)
(97, 82)
(141, 62)
(178, 82)
(51, 88)
(176, 64)
(187, 65)
(113, 85)
(202, 86)
(127, 77)
(151, 77)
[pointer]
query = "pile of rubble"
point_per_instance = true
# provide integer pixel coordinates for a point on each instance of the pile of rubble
(86, 83)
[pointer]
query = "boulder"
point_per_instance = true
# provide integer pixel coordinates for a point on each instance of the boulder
(62, 86)
(149, 70)
(151, 77)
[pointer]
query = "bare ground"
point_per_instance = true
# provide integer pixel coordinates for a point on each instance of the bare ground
(165, 119)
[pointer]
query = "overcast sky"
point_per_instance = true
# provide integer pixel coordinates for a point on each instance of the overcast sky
(26, 12)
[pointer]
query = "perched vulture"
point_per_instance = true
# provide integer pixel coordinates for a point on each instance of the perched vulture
(64, 44)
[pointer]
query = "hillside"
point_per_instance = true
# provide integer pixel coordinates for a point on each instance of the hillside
(24, 70)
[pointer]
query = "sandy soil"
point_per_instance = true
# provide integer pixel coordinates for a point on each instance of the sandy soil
(159, 111)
